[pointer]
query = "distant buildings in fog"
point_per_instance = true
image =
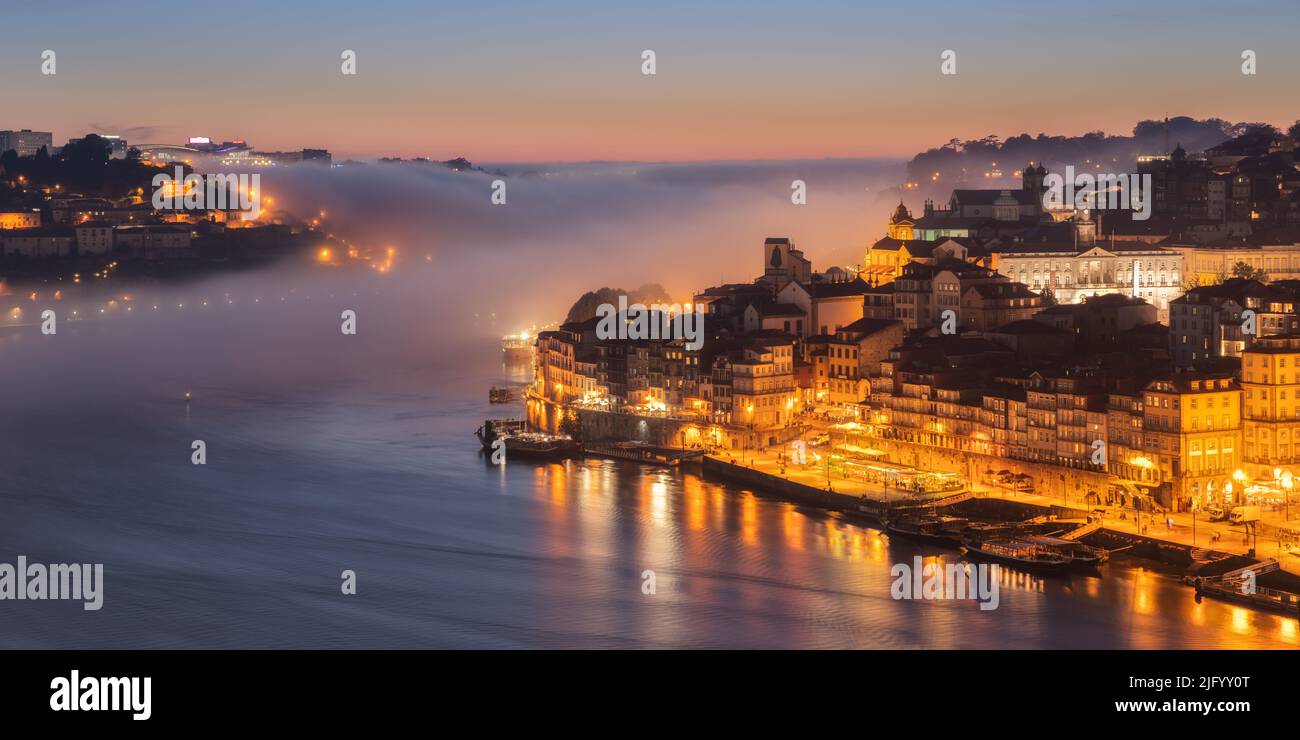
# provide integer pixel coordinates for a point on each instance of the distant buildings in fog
(25, 142)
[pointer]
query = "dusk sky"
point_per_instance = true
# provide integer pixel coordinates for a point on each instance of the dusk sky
(561, 81)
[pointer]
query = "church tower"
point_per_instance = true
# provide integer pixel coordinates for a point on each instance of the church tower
(1032, 178)
(900, 224)
(1085, 229)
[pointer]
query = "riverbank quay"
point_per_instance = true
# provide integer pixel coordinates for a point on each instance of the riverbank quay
(1275, 535)
(1129, 538)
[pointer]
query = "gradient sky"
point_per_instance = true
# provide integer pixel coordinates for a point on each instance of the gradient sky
(561, 81)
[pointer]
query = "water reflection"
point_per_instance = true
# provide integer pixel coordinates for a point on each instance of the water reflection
(734, 568)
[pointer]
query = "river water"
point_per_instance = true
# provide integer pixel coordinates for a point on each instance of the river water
(371, 467)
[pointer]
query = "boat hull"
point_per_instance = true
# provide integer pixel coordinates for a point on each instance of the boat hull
(1046, 567)
(942, 539)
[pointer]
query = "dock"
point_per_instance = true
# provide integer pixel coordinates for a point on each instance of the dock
(643, 453)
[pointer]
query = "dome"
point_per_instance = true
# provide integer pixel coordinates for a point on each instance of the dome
(900, 214)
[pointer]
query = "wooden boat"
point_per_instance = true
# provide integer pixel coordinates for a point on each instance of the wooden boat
(1018, 553)
(500, 395)
(1081, 555)
(936, 530)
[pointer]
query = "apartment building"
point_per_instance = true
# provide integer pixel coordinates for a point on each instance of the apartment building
(1270, 382)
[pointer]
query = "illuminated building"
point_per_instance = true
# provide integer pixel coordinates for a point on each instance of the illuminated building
(1270, 382)
(1206, 264)
(923, 292)
(1208, 322)
(1074, 270)
(1192, 434)
(20, 219)
(762, 384)
(836, 370)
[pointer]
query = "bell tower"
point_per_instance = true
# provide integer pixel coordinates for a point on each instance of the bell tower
(900, 224)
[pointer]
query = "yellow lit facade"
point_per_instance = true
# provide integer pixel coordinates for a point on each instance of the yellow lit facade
(1270, 373)
(1192, 434)
(20, 219)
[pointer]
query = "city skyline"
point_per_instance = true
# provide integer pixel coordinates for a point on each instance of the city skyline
(495, 84)
(938, 330)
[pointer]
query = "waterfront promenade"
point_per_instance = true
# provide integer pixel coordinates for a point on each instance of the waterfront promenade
(1170, 527)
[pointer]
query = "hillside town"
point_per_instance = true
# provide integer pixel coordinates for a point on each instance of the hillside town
(90, 203)
(1078, 355)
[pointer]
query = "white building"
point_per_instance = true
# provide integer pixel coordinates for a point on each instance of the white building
(26, 142)
(1075, 271)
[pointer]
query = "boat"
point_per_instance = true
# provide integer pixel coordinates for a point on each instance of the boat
(1081, 555)
(1019, 553)
(500, 395)
(1241, 586)
(542, 445)
(996, 530)
(936, 530)
(518, 346)
(520, 442)
(494, 428)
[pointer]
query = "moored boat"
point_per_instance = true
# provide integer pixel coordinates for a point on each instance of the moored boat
(1081, 555)
(936, 530)
(518, 346)
(522, 443)
(1019, 553)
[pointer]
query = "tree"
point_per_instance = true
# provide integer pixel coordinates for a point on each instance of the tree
(1294, 132)
(1244, 270)
(570, 425)
(90, 151)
